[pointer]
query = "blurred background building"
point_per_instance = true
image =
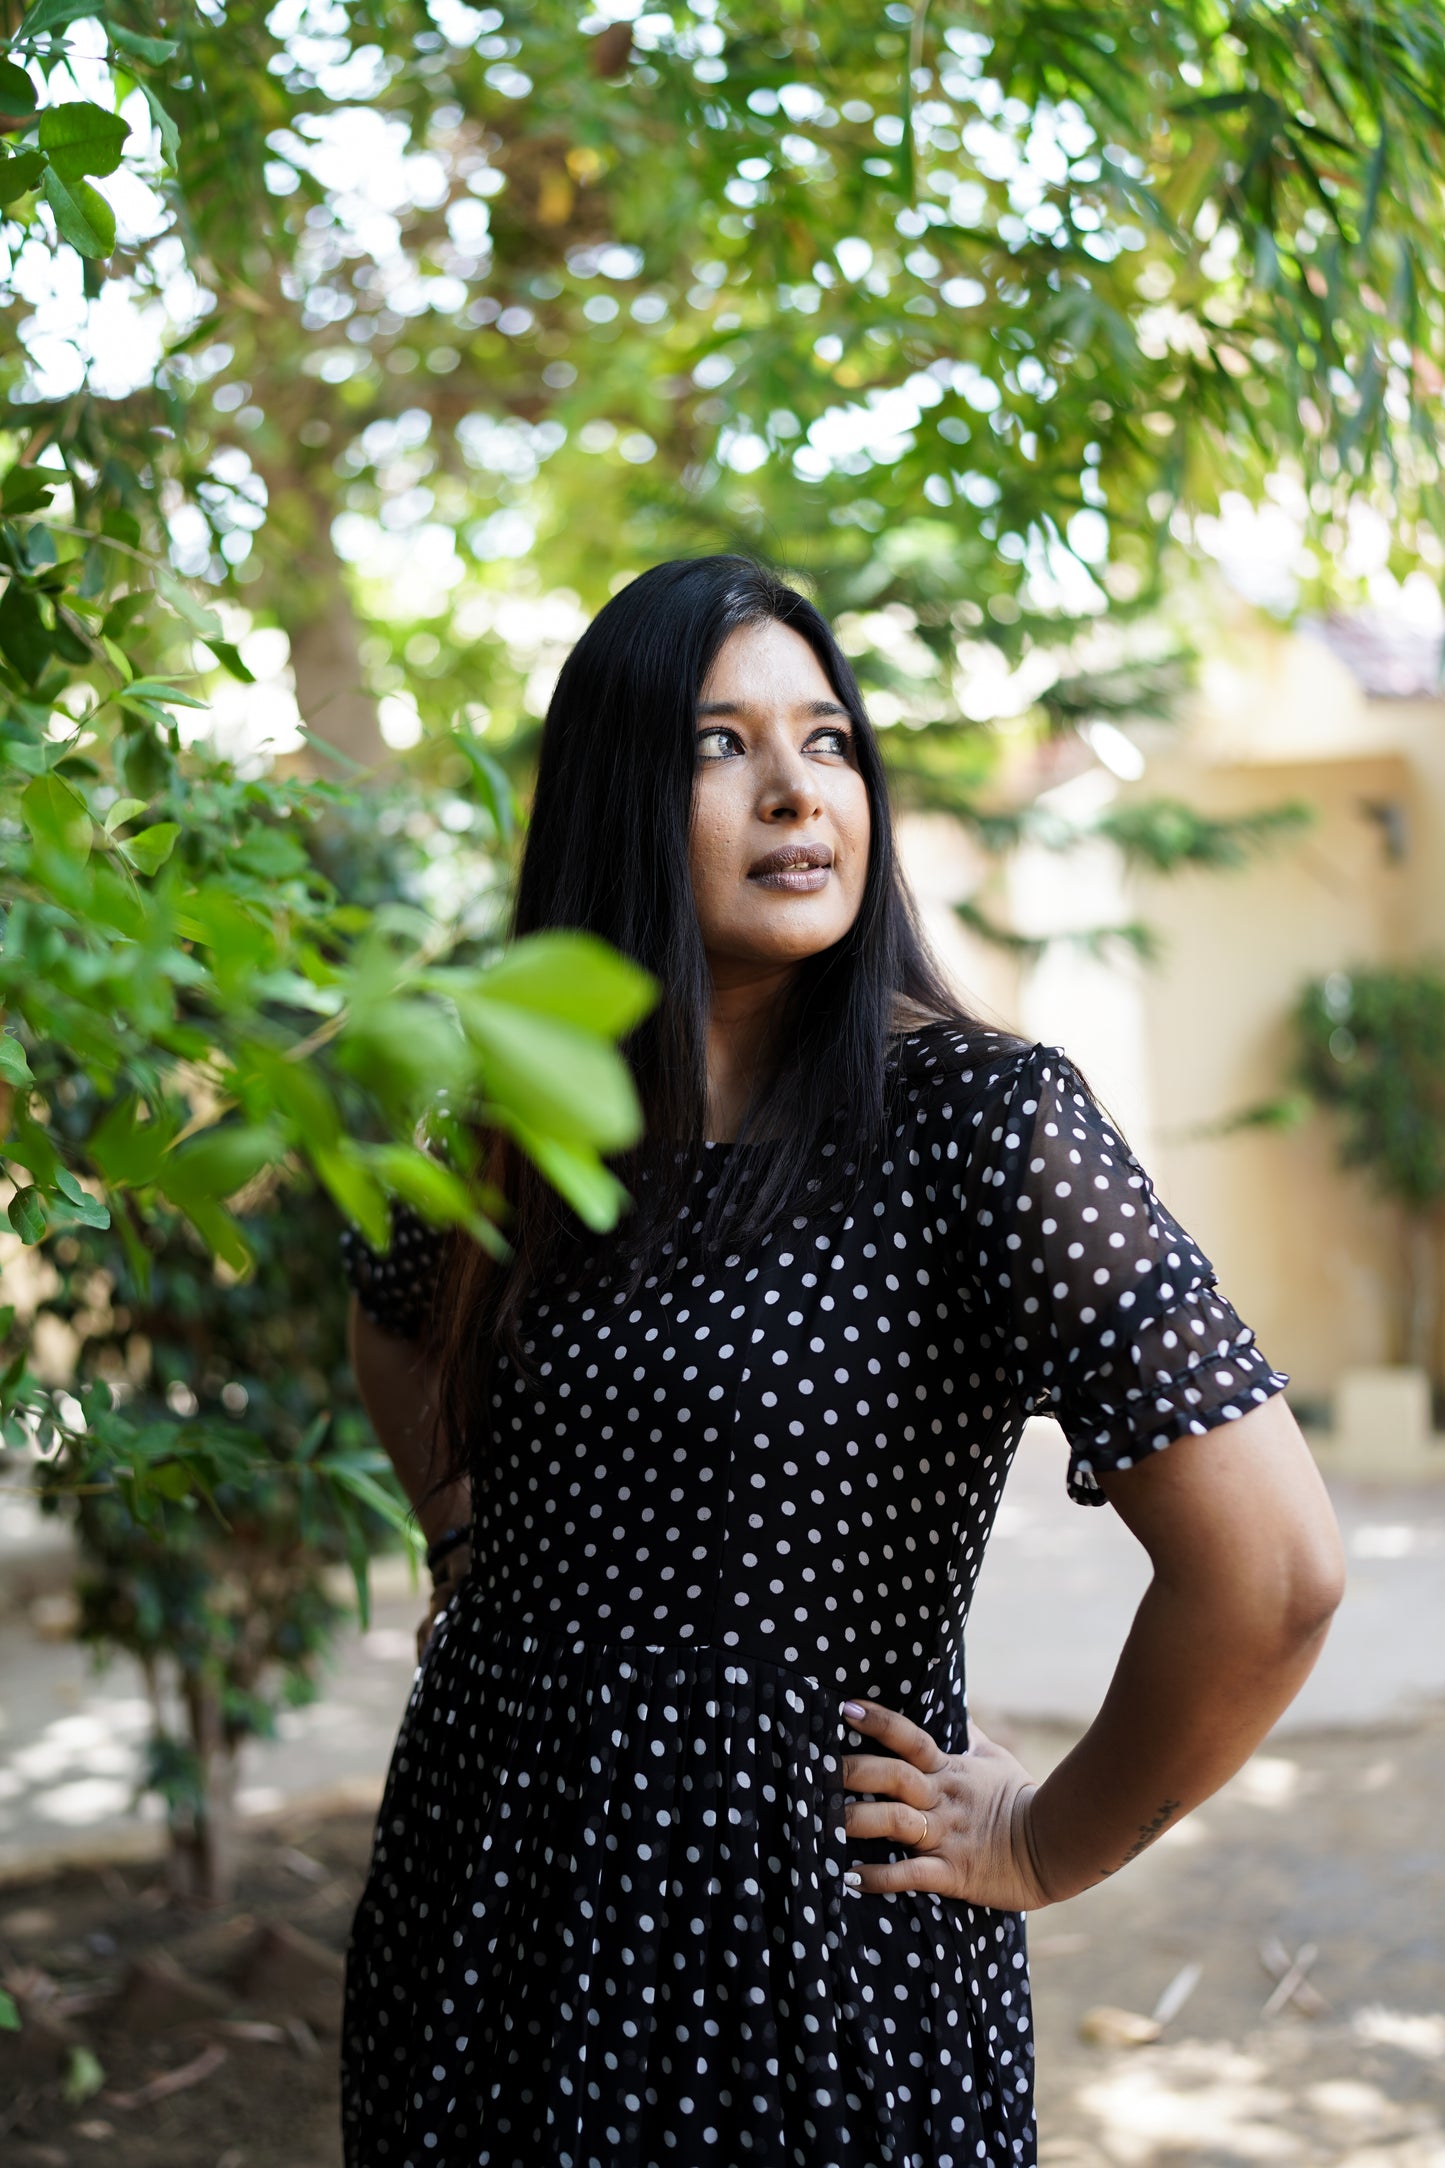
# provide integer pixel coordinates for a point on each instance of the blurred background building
(1347, 716)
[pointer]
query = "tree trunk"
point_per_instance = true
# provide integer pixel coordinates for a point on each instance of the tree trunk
(204, 1844)
(307, 589)
(330, 687)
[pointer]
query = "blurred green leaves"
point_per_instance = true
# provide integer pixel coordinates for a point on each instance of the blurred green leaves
(201, 1024)
(968, 314)
(1370, 1046)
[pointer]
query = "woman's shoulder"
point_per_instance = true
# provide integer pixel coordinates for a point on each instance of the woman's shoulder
(936, 1054)
(981, 1083)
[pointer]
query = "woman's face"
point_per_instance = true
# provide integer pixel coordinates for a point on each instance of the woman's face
(776, 777)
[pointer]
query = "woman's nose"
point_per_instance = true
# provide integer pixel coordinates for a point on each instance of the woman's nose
(789, 788)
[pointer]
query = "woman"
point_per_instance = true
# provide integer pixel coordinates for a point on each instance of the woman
(689, 1852)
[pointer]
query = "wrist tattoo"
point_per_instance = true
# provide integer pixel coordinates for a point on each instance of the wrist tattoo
(1148, 1831)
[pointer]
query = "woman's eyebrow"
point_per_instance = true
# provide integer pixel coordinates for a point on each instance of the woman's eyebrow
(742, 707)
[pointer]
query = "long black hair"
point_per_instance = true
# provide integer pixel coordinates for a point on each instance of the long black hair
(607, 850)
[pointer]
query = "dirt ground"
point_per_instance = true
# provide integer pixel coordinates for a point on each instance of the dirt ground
(156, 2041)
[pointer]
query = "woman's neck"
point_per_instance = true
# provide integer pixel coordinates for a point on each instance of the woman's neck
(745, 1004)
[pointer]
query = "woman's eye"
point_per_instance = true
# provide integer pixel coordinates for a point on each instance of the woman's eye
(710, 751)
(720, 742)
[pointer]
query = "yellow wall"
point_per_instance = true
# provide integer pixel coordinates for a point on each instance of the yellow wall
(1312, 1258)
(1308, 1255)
(1303, 1250)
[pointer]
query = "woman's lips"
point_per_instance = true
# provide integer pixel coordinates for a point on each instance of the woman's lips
(794, 880)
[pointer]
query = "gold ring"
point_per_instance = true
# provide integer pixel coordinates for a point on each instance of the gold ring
(924, 1838)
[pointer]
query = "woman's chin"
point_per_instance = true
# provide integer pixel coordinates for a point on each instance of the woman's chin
(786, 944)
(794, 925)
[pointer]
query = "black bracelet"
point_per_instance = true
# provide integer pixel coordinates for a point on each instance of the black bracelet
(449, 1540)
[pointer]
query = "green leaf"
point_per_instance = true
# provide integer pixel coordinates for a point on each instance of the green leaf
(312, 1436)
(228, 655)
(48, 16)
(143, 764)
(82, 138)
(389, 1505)
(124, 809)
(127, 1150)
(360, 1564)
(24, 489)
(17, 93)
(562, 1081)
(26, 1213)
(151, 688)
(152, 847)
(270, 853)
(355, 1190)
(56, 816)
(592, 1190)
(184, 603)
(574, 977)
(218, 1162)
(424, 1182)
(170, 134)
(9, 2014)
(19, 174)
(221, 1233)
(297, 992)
(238, 944)
(492, 782)
(84, 2077)
(82, 215)
(14, 1067)
(24, 635)
(29, 759)
(172, 1479)
(88, 1211)
(123, 526)
(154, 50)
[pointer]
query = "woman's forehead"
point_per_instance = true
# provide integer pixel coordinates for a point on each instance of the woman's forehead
(767, 661)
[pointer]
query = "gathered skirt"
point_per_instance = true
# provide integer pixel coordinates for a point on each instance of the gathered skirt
(606, 1923)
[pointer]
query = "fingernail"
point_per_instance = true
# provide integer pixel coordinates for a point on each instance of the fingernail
(853, 1879)
(854, 1711)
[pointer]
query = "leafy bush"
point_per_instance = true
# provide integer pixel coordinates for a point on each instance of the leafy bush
(211, 1045)
(1371, 1048)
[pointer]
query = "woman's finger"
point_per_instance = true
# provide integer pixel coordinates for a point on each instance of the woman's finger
(896, 1732)
(898, 1779)
(891, 1818)
(925, 1871)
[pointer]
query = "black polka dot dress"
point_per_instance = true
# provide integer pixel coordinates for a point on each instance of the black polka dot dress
(606, 1920)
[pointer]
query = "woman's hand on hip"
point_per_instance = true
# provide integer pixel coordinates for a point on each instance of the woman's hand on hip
(965, 1816)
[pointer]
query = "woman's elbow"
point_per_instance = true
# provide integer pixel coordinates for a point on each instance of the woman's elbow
(1270, 1594)
(1314, 1584)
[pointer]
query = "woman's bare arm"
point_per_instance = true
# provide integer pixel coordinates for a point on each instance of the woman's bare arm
(1248, 1570)
(398, 1389)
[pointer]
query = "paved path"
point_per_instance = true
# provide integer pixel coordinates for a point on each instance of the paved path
(1060, 1583)
(1058, 1591)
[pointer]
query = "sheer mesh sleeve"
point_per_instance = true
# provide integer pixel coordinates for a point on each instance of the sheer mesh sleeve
(1110, 1313)
(396, 1289)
